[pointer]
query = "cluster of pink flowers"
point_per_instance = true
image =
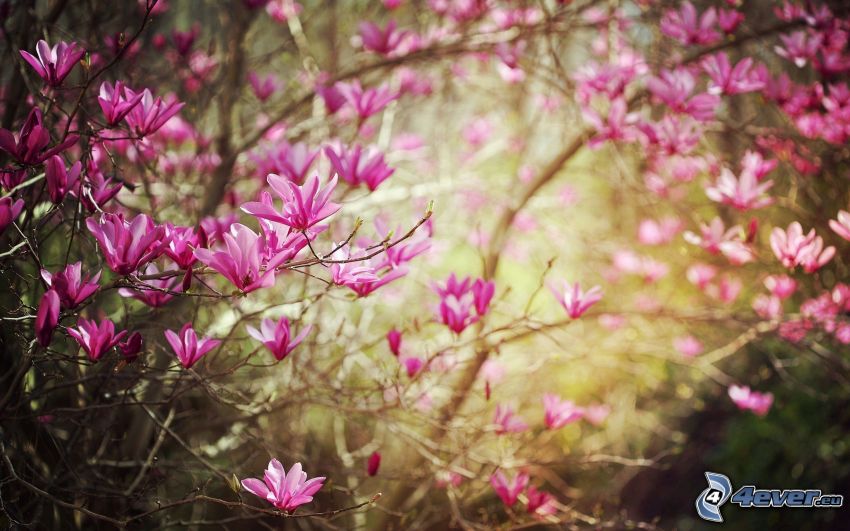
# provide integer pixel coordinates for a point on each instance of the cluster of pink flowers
(538, 502)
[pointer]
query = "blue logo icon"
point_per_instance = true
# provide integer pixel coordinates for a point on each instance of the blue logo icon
(709, 502)
(719, 491)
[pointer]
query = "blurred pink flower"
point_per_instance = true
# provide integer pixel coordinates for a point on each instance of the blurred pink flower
(96, 339)
(114, 103)
(277, 337)
(357, 165)
(793, 248)
(394, 341)
(782, 286)
(726, 79)
(558, 413)
(841, 225)
(744, 398)
(373, 464)
(508, 491)
(744, 192)
(540, 503)
(9, 211)
(688, 346)
(688, 27)
(150, 114)
(574, 300)
(365, 102)
(507, 421)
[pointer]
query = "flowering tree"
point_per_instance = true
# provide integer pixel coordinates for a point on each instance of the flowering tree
(343, 242)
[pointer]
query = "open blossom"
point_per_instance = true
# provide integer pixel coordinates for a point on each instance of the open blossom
(292, 161)
(743, 193)
(464, 302)
(357, 165)
(187, 346)
(97, 189)
(508, 490)
(793, 248)
(60, 181)
(154, 292)
(47, 318)
(799, 47)
(507, 421)
(652, 232)
(28, 147)
(95, 338)
(9, 211)
(365, 102)
(558, 413)
(729, 20)
(303, 206)
(782, 286)
(242, 260)
(182, 242)
(286, 491)
(674, 88)
(150, 114)
(744, 398)
(70, 285)
(383, 41)
(114, 104)
(540, 503)
(726, 79)
(574, 300)
(277, 336)
(715, 239)
(619, 125)
(54, 64)
(687, 27)
(127, 245)
(700, 274)
(841, 225)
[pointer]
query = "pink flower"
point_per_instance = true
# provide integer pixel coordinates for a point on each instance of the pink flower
(700, 274)
(70, 285)
(728, 80)
(767, 306)
(96, 339)
(674, 89)
(149, 114)
(743, 193)
(412, 365)
(507, 421)
(356, 165)
(508, 491)
(131, 347)
(54, 64)
(540, 503)
(285, 491)
(382, 41)
(127, 245)
(277, 337)
(365, 102)
(688, 346)
(373, 464)
(596, 413)
(558, 413)
(97, 190)
(726, 289)
(799, 47)
(293, 161)
(729, 20)
(242, 260)
(574, 300)
(652, 232)
(47, 318)
(9, 211)
(28, 146)
(114, 104)
(394, 341)
(155, 292)
(282, 10)
(187, 346)
(182, 242)
(458, 299)
(687, 27)
(619, 125)
(59, 180)
(758, 403)
(793, 248)
(303, 206)
(715, 239)
(782, 286)
(264, 87)
(841, 225)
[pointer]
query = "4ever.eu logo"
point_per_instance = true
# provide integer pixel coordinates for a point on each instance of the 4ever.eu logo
(719, 491)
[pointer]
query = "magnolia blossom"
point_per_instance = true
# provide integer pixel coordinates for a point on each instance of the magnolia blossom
(782, 286)
(558, 413)
(303, 206)
(9, 211)
(70, 285)
(744, 192)
(357, 165)
(464, 302)
(29, 146)
(114, 104)
(60, 181)
(47, 318)
(383, 41)
(286, 491)
(726, 79)
(574, 300)
(95, 338)
(508, 490)
(54, 64)
(242, 260)
(715, 239)
(373, 464)
(688, 346)
(155, 292)
(688, 27)
(841, 225)
(277, 337)
(744, 398)
(507, 421)
(793, 248)
(365, 102)
(188, 348)
(394, 341)
(540, 503)
(127, 245)
(150, 114)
